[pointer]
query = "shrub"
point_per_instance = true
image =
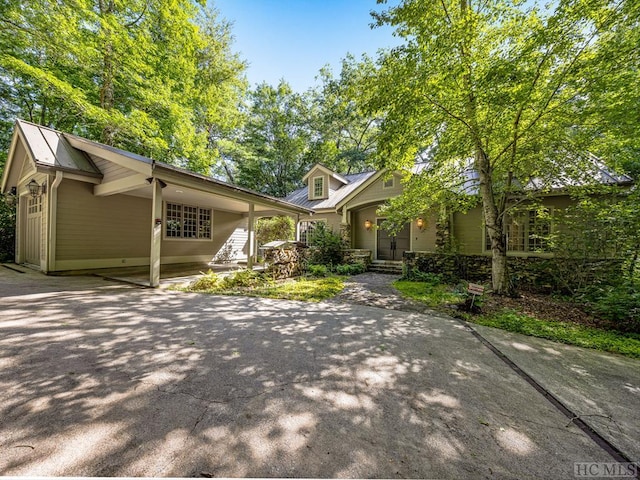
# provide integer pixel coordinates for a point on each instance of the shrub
(417, 275)
(209, 281)
(326, 246)
(244, 278)
(619, 304)
(317, 270)
(275, 228)
(351, 268)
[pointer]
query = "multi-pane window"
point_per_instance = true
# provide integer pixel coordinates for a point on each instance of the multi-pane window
(528, 232)
(539, 230)
(318, 187)
(34, 204)
(187, 221)
(306, 230)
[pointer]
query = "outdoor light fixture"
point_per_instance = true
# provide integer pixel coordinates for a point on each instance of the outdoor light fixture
(420, 223)
(11, 199)
(34, 188)
(367, 224)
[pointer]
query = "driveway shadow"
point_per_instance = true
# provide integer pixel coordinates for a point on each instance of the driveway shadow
(111, 380)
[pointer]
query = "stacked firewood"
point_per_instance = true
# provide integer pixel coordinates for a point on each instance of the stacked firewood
(284, 262)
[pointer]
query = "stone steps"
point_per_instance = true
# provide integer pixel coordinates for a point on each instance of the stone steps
(388, 267)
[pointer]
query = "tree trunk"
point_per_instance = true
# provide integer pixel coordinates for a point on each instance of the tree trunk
(494, 222)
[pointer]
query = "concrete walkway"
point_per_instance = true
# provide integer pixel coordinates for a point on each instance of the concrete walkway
(104, 379)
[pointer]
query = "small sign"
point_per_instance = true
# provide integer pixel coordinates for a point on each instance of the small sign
(475, 289)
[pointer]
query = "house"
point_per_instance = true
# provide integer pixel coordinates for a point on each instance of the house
(82, 205)
(350, 204)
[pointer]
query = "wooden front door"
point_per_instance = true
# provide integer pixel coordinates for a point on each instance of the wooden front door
(392, 247)
(32, 231)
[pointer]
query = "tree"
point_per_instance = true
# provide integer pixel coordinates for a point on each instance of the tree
(270, 229)
(155, 77)
(344, 135)
(500, 87)
(274, 141)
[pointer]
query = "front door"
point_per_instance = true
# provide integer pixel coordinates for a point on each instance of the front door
(392, 247)
(32, 231)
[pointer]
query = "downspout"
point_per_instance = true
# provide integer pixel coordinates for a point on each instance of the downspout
(52, 223)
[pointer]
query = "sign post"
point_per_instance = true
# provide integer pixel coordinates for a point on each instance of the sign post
(475, 289)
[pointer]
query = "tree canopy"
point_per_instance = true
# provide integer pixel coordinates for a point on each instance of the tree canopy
(156, 77)
(504, 87)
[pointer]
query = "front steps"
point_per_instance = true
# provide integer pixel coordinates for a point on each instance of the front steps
(385, 266)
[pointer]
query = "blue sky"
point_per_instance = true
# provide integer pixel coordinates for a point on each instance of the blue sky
(293, 39)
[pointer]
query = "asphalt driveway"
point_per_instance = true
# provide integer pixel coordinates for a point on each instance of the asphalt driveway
(104, 379)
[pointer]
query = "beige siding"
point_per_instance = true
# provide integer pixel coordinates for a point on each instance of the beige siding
(223, 229)
(468, 231)
(424, 240)
(376, 193)
(333, 220)
(363, 238)
(90, 227)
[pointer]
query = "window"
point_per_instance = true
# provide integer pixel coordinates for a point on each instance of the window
(187, 221)
(388, 183)
(527, 232)
(306, 230)
(318, 187)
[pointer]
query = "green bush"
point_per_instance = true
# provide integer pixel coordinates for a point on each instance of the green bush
(275, 228)
(417, 275)
(620, 304)
(351, 268)
(7, 232)
(209, 281)
(326, 246)
(317, 270)
(244, 278)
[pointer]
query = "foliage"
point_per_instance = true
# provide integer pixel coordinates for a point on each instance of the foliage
(304, 289)
(244, 278)
(598, 227)
(326, 246)
(243, 283)
(570, 333)
(209, 281)
(432, 294)
(495, 94)
(154, 77)
(7, 232)
(416, 275)
(351, 268)
(343, 135)
(275, 228)
(273, 142)
(317, 270)
(620, 304)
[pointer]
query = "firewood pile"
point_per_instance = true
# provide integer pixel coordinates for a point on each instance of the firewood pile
(284, 259)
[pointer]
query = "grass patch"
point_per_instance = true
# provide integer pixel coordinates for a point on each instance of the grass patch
(303, 289)
(627, 344)
(439, 296)
(432, 295)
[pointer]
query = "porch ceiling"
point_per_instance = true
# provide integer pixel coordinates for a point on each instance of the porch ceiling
(180, 194)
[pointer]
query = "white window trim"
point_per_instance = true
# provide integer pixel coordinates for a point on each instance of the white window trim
(314, 220)
(389, 187)
(184, 239)
(312, 187)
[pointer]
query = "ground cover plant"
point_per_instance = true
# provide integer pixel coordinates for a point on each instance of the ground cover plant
(257, 284)
(537, 315)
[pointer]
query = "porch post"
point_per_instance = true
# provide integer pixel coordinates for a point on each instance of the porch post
(251, 241)
(156, 233)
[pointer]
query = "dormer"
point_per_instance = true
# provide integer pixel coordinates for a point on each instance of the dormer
(321, 182)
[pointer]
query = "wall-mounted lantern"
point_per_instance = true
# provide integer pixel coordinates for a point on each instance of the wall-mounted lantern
(35, 189)
(367, 224)
(420, 223)
(11, 198)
